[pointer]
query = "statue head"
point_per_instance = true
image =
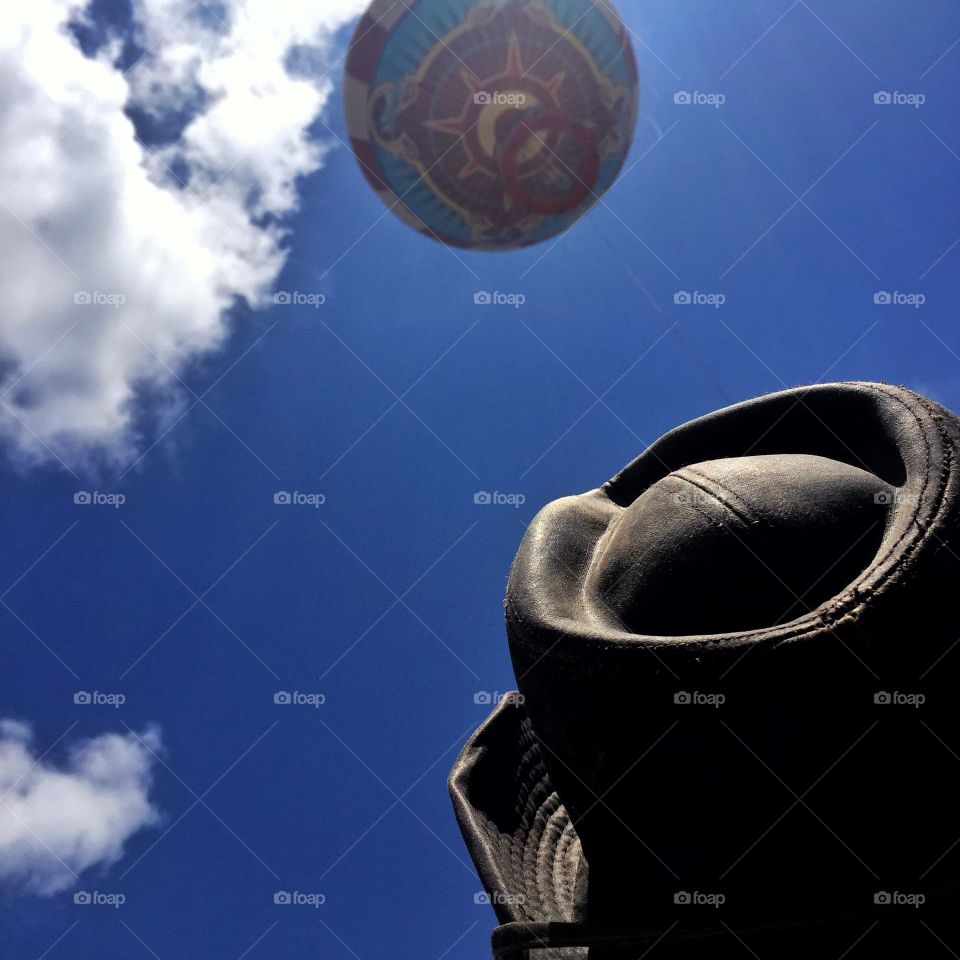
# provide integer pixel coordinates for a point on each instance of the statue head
(736, 700)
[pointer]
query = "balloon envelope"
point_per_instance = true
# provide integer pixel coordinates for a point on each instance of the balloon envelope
(491, 124)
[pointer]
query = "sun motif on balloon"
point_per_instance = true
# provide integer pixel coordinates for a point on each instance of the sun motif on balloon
(506, 130)
(480, 122)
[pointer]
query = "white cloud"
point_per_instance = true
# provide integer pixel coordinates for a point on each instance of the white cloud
(56, 822)
(85, 208)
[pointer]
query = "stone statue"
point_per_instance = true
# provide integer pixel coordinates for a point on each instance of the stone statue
(737, 730)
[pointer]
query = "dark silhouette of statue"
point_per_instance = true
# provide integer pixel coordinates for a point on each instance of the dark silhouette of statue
(737, 731)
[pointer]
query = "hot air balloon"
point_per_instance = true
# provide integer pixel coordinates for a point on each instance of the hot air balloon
(491, 124)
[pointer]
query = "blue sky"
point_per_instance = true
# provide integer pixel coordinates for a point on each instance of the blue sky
(398, 399)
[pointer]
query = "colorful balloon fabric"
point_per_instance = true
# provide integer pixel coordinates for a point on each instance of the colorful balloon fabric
(491, 124)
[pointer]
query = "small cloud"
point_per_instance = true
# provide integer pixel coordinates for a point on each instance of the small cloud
(57, 821)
